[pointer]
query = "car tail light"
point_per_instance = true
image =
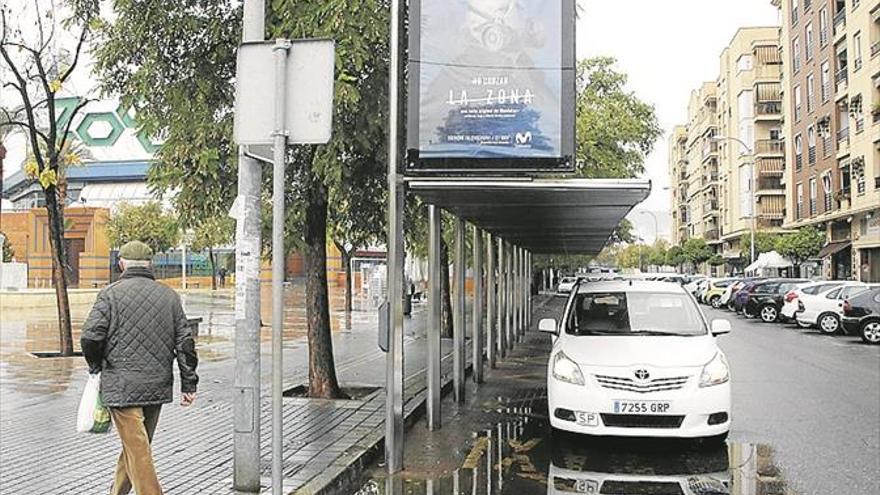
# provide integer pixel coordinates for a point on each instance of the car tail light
(790, 296)
(847, 307)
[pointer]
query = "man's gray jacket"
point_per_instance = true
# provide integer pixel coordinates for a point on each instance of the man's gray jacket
(134, 332)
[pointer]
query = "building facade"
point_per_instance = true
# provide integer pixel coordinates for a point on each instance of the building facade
(727, 163)
(831, 82)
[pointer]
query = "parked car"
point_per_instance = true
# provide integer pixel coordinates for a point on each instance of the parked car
(693, 283)
(791, 301)
(715, 289)
(861, 315)
(566, 284)
(766, 298)
(637, 359)
(825, 310)
(742, 295)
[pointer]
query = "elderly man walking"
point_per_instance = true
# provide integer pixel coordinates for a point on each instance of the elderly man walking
(133, 334)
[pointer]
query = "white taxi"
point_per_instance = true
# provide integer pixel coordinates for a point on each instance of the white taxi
(634, 358)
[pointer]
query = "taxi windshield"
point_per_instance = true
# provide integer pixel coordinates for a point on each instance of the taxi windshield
(634, 314)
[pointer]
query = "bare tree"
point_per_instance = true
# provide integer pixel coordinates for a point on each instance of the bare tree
(38, 74)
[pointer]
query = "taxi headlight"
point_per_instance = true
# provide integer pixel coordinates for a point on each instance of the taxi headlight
(566, 370)
(715, 372)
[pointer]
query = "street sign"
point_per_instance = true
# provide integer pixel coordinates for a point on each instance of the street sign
(309, 98)
(491, 86)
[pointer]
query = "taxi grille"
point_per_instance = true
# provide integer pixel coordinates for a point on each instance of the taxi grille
(641, 421)
(630, 385)
(641, 488)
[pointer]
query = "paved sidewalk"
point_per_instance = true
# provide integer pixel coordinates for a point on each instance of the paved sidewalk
(41, 453)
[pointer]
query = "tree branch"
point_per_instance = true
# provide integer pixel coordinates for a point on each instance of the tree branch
(76, 109)
(79, 45)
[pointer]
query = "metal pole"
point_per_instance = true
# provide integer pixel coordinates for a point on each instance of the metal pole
(435, 273)
(754, 209)
(396, 199)
(501, 319)
(183, 265)
(477, 332)
(491, 302)
(248, 229)
(508, 296)
(514, 290)
(458, 314)
(278, 179)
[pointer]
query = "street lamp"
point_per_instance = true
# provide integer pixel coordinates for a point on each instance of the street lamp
(751, 152)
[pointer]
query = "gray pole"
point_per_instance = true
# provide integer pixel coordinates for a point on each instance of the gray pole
(435, 273)
(458, 314)
(754, 209)
(491, 301)
(394, 357)
(278, 155)
(501, 319)
(246, 399)
(508, 296)
(477, 332)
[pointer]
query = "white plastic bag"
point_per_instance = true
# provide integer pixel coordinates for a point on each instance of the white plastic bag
(92, 416)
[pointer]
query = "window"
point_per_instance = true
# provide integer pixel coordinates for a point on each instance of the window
(857, 51)
(811, 92)
(745, 194)
(823, 26)
(811, 144)
(798, 151)
(744, 62)
(794, 11)
(634, 314)
(845, 179)
(826, 81)
(826, 190)
(833, 294)
(797, 103)
(808, 40)
(800, 201)
(796, 54)
(812, 196)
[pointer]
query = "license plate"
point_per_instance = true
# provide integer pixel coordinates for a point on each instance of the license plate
(587, 418)
(641, 407)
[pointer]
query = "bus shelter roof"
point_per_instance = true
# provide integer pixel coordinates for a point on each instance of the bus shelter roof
(544, 216)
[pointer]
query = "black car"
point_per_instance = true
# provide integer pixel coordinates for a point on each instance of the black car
(766, 298)
(861, 315)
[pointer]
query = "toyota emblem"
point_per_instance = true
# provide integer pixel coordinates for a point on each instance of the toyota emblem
(642, 374)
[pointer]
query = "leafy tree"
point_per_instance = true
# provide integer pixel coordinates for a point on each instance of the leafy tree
(615, 129)
(716, 260)
(212, 232)
(656, 254)
(801, 245)
(696, 251)
(146, 223)
(764, 243)
(37, 73)
(675, 256)
(623, 233)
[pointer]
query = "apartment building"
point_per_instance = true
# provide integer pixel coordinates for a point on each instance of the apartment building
(727, 163)
(831, 101)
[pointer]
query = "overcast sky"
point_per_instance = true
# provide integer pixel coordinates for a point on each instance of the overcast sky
(668, 47)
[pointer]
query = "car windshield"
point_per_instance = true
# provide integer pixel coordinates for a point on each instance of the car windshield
(633, 314)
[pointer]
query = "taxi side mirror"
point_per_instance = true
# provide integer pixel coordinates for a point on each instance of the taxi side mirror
(547, 325)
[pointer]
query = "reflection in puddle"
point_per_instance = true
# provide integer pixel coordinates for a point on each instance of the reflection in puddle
(520, 457)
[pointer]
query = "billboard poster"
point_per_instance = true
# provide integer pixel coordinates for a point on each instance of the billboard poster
(491, 84)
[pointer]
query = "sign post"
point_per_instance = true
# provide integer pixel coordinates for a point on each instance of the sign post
(299, 76)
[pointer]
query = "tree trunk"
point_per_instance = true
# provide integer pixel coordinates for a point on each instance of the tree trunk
(55, 212)
(213, 267)
(322, 370)
(446, 298)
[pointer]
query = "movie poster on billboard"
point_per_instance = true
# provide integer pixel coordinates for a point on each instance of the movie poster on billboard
(490, 84)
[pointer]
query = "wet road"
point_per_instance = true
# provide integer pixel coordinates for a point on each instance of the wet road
(805, 421)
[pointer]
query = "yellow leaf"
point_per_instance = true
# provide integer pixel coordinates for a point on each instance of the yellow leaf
(55, 86)
(31, 169)
(48, 178)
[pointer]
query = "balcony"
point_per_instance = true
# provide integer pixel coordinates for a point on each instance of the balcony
(768, 108)
(710, 178)
(875, 49)
(798, 161)
(857, 64)
(823, 37)
(710, 206)
(811, 155)
(841, 79)
(711, 235)
(768, 72)
(840, 23)
(770, 185)
(769, 147)
(812, 207)
(828, 202)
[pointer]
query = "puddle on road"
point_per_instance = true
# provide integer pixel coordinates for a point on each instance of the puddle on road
(520, 457)
(28, 330)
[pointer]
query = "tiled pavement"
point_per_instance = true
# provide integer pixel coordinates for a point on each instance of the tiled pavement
(41, 453)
